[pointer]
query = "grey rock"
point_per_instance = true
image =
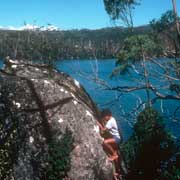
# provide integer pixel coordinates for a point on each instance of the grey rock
(38, 104)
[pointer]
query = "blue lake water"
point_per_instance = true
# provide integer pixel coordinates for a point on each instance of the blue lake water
(94, 76)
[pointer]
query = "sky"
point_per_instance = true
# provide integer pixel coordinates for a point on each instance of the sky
(74, 14)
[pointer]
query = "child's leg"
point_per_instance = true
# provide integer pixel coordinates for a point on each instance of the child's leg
(117, 163)
(110, 147)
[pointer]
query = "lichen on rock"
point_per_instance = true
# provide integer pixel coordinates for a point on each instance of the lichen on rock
(48, 126)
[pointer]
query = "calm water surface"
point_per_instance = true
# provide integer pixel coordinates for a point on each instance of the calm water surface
(94, 74)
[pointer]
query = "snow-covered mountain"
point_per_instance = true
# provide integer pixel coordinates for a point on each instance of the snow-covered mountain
(31, 27)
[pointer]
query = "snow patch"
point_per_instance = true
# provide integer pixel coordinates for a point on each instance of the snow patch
(31, 27)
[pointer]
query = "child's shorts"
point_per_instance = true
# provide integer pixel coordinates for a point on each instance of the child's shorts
(118, 140)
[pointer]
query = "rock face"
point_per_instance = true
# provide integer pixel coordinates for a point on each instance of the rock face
(48, 127)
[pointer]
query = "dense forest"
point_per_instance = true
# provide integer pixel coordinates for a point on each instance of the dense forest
(72, 44)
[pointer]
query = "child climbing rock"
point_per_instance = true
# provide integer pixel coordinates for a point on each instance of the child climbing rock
(111, 142)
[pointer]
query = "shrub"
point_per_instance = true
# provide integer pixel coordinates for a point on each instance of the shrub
(149, 148)
(59, 157)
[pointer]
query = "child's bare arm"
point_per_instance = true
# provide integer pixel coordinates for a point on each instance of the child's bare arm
(102, 128)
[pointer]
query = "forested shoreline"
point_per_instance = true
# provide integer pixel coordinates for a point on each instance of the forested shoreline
(71, 44)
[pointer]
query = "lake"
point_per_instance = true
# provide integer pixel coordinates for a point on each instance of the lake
(94, 75)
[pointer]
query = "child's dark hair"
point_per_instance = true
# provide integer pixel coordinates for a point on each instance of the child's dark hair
(105, 112)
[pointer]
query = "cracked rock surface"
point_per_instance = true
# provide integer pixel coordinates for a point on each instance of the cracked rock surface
(37, 106)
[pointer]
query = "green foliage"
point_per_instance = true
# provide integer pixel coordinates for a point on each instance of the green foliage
(165, 27)
(121, 10)
(59, 157)
(149, 148)
(164, 23)
(171, 174)
(137, 46)
(123, 69)
(115, 7)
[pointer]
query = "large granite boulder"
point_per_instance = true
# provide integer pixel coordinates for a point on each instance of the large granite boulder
(48, 126)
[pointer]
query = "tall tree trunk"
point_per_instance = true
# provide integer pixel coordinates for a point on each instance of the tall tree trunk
(177, 22)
